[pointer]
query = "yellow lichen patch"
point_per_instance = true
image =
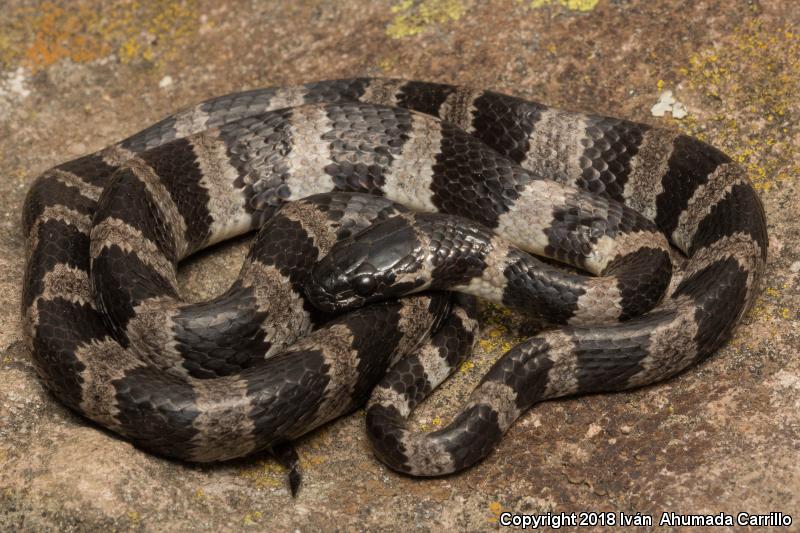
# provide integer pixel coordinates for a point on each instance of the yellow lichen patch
(251, 519)
(772, 291)
(86, 30)
(134, 517)
(265, 475)
(493, 345)
(767, 309)
(411, 18)
(572, 5)
(495, 339)
(9, 45)
(769, 313)
(387, 64)
(760, 312)
(750, 82)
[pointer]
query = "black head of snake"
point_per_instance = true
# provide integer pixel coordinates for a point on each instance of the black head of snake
(112, 339)
(409, 253)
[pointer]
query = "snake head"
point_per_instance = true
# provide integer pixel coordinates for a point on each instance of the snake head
(377, 264)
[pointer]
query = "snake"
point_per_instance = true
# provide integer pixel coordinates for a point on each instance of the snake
(372, 197)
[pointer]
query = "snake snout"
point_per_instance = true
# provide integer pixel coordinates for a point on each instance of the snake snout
(319, 293)
(320, 298)
(329, 288)
(344, 279)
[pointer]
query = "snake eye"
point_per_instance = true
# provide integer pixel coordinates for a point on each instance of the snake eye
(364, 285)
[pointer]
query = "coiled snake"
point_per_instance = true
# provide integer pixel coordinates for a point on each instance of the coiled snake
(111, 338)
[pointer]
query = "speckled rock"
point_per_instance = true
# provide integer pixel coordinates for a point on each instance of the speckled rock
(722, 437)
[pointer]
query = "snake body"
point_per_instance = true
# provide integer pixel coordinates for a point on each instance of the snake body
(210, 381)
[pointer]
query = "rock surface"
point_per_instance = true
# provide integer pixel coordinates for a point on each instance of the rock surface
(722, 437)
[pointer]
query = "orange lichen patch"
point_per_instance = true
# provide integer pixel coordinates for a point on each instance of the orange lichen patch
(86, 30)
(495, 508)
(60, 33)
(750, 84)
(313, 459)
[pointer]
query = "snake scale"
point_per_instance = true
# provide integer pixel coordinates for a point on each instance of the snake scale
(462, 184)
